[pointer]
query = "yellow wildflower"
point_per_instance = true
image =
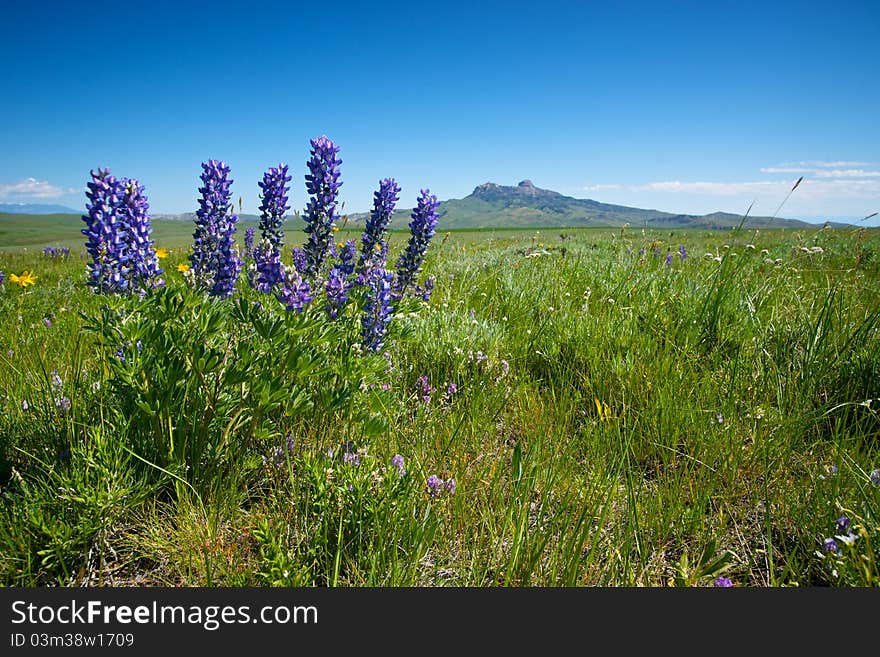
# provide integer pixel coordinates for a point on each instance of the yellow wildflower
(335, 228)
(183, 267)
(26, 278)
(161, 253)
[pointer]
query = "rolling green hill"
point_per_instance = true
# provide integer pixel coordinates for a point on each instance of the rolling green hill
(526, 206)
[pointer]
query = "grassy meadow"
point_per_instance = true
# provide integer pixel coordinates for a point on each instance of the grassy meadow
(593, 413)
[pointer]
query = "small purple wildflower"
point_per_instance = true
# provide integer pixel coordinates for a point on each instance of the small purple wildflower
(2, 277)
(56, 379)
(397, 462)
(47, 322)
(424, 389)
(842, 524)
(830, 545)
(63, 404)
(682, 252)
(351, 458)
(451, 389)
(434, 486)
(450, 486)
(24, 405)
(428, 289)
(723, 582)
(668, 259)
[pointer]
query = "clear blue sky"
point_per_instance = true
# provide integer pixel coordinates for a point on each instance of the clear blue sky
(680, 106)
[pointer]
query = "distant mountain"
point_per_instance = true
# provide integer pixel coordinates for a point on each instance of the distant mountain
(37, 208)
(526, 206)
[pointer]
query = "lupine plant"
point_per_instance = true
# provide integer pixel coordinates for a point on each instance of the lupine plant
(215, 264)
(268, 268)
(376, 228)
(144, 263)
(422, 229)
(105, 235)
(322, 184)
(118, 234)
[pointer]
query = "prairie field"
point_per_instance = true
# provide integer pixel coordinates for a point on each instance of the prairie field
(592, 407)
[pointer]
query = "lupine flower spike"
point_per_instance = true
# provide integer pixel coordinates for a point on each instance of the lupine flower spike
(215, 262)
(322, 184)
(422, 228)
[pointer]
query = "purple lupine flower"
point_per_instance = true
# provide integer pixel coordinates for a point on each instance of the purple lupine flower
(63, 404)
(642, 251)
(682, 252)
(2, 277)
(295, 292)
(336, 292)
(434, 486)
(274, 204)
(424, 389)
(377, 311)
(298, 258)
(267, 269)
(322, 184)
(351, 458)
(723, 582)
(842, 524)
(134, 213)
(105, 234)
(830, 545)
(56, 379)
(249, 242)
(426, 291)
(346, 258)
(215, 264)
(668, 259)
(397, 462)
(375, 230)
(422, 228)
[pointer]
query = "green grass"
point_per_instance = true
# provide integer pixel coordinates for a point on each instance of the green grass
(617, 421)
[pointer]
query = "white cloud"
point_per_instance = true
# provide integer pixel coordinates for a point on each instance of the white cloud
(848, 173)
(812, 164)
(825, 173)
(31, 188)
(786, 170)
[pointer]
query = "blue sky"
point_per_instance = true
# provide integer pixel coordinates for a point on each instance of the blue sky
(680, 106)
